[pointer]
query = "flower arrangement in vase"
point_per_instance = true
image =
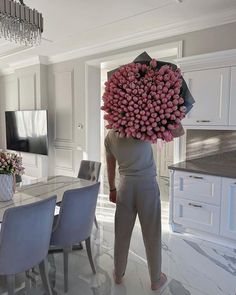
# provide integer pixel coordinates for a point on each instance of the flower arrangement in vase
(10, 165)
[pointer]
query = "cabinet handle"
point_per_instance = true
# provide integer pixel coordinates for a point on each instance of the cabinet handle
(195, 205)
(203, 121)
(196, 177)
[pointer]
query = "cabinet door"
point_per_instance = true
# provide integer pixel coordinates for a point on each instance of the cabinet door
(197, 187)
(210, 89)
(232, 106)
(196, 215)
(228, 208)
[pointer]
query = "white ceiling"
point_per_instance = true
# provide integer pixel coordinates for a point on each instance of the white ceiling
(84, 24)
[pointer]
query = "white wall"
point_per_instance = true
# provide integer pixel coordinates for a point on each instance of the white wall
(25, 90)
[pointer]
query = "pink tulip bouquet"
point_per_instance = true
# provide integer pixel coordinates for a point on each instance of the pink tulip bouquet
(11, 163)
(144, 101)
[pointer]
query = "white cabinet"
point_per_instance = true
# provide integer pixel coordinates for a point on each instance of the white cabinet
(196, 203)
(197, 187)
(232, 106)
(203, 203)
(197, 215)
(228, 208)
(210, 89)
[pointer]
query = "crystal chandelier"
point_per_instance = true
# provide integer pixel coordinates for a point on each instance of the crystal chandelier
(19, 23)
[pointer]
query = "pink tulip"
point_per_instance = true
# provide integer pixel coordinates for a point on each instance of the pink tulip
(153, 63)
(181, 100)
(165, 89)
(154, 124)
(143, 128)
(177, 113)
(164, 122)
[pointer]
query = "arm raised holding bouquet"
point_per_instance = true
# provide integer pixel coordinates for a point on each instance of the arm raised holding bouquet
(144, 102)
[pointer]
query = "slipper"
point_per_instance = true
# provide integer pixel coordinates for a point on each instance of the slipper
(163, 287)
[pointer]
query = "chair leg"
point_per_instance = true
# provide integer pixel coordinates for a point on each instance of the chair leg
(27, 282)
(11, 284)
(44, 277)
(96, 222)
(89, 252)
(52, 270)
(66, 263)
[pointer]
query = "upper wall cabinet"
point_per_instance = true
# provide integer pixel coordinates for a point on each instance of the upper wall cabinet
(232, 106)
(210, 89)
(212, 81)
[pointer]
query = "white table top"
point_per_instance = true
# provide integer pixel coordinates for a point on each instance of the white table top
(41, 189)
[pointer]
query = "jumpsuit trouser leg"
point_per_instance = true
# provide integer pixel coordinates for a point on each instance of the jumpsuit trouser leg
(138, 195)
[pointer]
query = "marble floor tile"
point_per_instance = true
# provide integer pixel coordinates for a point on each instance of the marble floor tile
(193, 266)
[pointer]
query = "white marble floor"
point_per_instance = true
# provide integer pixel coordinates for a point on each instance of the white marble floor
(193, 266)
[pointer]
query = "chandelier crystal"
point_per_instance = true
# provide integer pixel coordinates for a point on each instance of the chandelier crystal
(19, 23)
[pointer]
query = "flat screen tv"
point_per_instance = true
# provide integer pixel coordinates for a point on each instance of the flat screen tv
(26, 131)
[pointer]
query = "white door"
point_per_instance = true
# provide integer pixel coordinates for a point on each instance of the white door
(166, 158)
(228, 209)
(210, 89)
(232, 107)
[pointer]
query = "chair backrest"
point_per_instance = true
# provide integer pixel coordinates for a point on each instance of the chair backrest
(76, 216)
(89, 170)
(25, 236)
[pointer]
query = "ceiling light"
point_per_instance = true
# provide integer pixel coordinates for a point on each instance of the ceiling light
(19, 23)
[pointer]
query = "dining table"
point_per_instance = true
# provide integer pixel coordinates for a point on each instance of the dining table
(42, 188)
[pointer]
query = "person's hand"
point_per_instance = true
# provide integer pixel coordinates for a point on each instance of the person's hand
(112, 196)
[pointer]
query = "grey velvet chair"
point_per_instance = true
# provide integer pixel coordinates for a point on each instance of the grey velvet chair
(24, 240)
(74, 223)
(90, 170)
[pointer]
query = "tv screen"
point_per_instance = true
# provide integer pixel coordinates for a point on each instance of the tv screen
(26, 131)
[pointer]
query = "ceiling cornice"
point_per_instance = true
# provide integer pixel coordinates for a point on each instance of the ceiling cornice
(174, 29)
(35, 60)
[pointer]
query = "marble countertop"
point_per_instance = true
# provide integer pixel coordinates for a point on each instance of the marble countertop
(222, 166)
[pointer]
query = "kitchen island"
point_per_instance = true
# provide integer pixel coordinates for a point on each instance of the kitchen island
(203, 197)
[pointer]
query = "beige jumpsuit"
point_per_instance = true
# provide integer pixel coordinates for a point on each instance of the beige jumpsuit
(138, 194)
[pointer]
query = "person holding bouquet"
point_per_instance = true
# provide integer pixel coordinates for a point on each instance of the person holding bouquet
(138, 194)
(144, 102)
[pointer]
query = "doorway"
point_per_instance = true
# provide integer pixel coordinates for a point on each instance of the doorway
(163, 155)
